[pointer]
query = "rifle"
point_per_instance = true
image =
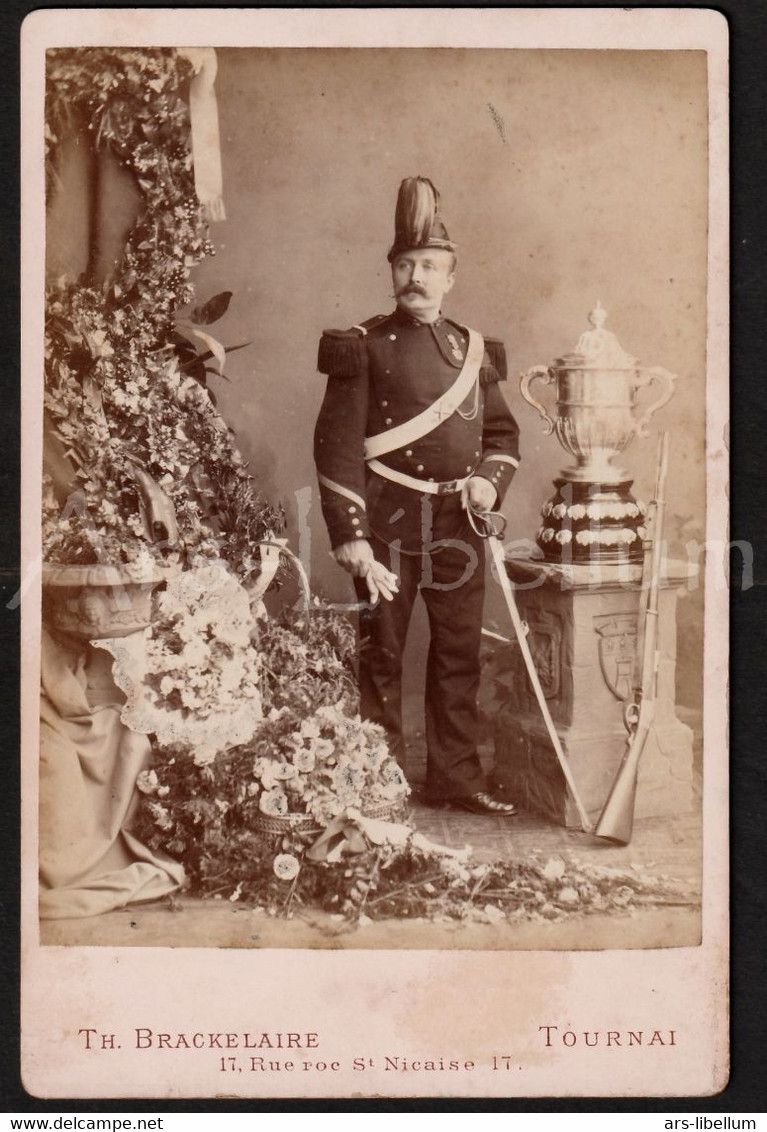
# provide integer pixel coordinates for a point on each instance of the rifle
(617, 818)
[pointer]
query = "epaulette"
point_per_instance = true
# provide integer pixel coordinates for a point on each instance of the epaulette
(496, 352)
(342, 352)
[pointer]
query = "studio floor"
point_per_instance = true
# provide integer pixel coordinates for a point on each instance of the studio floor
(660, 847)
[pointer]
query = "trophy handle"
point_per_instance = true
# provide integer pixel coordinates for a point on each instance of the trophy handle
(654, 373)
(526, 380)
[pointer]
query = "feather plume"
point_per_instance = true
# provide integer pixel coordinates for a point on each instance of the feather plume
(417, 205)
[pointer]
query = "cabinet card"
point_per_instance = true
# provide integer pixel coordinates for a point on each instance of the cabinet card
(580, 158)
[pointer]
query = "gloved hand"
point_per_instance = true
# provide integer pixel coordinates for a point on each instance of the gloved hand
(481, 494)
(357, 559)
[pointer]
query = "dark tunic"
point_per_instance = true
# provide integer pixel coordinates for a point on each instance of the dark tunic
(380, 375)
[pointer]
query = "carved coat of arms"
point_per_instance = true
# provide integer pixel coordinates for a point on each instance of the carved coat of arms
(617, 649)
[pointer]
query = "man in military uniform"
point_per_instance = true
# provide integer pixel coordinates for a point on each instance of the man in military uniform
(413, 430)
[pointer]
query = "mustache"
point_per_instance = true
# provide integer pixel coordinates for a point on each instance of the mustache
(411, 289)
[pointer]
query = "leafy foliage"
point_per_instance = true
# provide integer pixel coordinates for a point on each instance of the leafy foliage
(123, 387)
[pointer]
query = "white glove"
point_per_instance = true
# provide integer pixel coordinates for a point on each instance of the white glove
(357, 559)
(481, 494)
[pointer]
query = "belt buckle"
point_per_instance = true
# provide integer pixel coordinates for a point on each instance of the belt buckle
(447, 488)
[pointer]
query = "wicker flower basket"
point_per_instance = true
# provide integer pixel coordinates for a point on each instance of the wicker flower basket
(385, 811)
(273, 827)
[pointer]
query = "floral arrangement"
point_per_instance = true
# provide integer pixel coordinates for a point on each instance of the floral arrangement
(309, 752)
(192, 678)
(126, 391)
(322, 764)
(246, 718)
(378, 879)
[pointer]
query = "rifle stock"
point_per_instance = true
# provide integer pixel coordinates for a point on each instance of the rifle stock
(616, 822)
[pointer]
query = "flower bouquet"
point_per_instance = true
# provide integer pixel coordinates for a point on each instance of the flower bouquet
(317, 767)
(192, 677)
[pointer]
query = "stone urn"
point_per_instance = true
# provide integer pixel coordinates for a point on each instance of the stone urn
(100, 600)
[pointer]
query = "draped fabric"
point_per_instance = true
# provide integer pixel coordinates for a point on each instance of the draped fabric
(89, 861)
(206, 144)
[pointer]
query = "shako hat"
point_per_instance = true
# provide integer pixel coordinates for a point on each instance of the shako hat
(417, 223)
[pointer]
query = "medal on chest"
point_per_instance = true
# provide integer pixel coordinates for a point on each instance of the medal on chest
(455, 347)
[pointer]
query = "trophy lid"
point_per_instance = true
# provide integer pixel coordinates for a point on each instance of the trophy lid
(598, 348)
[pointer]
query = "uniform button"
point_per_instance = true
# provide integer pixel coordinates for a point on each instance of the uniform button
(419, 468)
(359, 534)
(387, 371)
(384, 404)
(409, 452)
(468, 467)
(352, 510)
(477, 454)
(392, 337)
(388, 421)
(355, 522)
(431, 479)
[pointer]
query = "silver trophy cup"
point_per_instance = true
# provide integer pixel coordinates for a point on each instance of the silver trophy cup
(592, 515)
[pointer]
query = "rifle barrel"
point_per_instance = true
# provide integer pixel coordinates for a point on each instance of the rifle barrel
(617, 818)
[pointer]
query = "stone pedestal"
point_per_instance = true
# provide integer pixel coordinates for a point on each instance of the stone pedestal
(582, 634)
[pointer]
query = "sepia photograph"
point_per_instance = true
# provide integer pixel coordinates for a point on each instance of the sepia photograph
(376, 396)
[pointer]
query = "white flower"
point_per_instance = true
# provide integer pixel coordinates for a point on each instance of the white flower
(265, 770)
(393, 775)
(286, 866)
(376, 756)
(304, 760)
(274, 802)
(195, 652)
(310, 729)
(322, 749)
(189, 699)
(147, 782)
(160, 815)
(348, 780)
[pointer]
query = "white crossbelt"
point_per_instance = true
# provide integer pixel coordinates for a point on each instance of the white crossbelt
(437, 412)
(448, 487)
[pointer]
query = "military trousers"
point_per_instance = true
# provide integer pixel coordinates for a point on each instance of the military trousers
(451, 581)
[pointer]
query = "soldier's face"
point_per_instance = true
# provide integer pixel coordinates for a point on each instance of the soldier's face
(422, 277)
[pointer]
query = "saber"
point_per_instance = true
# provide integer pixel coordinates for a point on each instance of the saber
(482, 522)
